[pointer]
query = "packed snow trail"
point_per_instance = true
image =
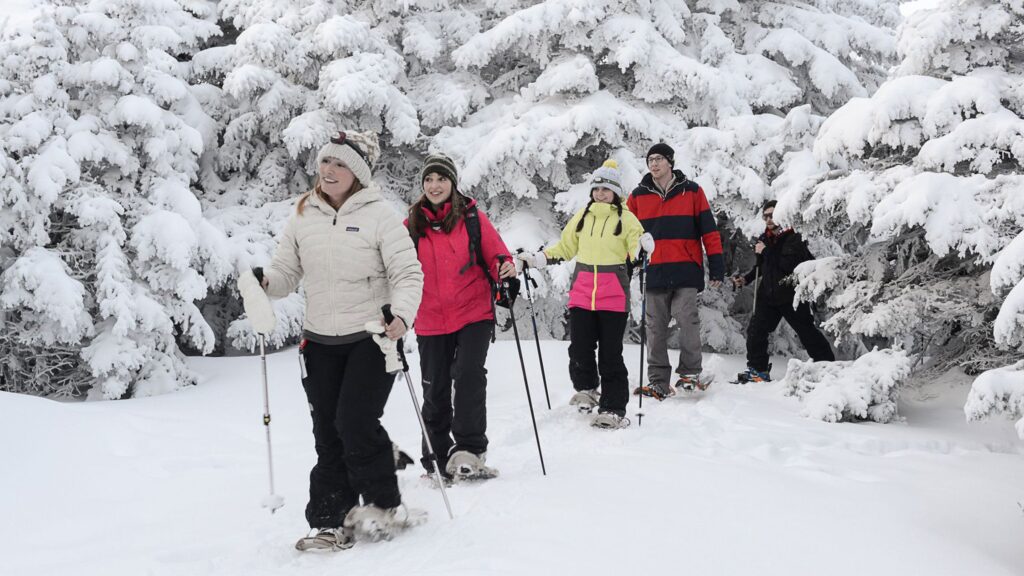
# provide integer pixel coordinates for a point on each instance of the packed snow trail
(731, 481)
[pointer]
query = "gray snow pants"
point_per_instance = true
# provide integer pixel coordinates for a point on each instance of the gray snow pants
(662, 306)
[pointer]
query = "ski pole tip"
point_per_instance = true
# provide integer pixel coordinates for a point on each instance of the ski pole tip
(273, 502)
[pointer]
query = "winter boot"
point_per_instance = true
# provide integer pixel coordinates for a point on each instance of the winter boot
(327, 539)
(752, 375)
(464, 465)
(609, 421)
(375, 524)
(692, 383)
(653, 391)
(585, 400)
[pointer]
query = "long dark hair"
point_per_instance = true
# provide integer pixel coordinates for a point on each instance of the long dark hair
(418, 221)
(618, 206)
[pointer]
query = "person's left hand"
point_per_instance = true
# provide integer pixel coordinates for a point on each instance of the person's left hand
(507, 269)
(396, 329)
(715, 283)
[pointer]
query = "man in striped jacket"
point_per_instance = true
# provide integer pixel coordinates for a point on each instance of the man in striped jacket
(676, 213)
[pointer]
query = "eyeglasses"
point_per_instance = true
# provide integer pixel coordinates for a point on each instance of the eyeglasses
(654, 158)
(342, 139)
(767, 215)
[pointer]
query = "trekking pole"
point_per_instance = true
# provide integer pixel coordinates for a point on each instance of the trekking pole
(533, 318)
(643, 334)
(503, 288)
(273, 501)
(388, 318)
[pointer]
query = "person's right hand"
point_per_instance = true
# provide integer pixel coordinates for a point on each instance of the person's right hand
(739, 281)
(647, 243)
(759, 247)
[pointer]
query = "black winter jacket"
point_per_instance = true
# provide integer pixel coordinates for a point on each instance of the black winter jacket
(781, 255)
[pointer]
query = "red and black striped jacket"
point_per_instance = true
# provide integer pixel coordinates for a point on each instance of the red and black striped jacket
(681, 223)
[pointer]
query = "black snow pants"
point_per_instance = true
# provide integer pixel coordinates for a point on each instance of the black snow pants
(602, 330)
(455, 391)
(347, 388)
(766, 319)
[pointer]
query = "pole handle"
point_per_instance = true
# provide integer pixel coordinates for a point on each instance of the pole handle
(502, 283)
(389, 317)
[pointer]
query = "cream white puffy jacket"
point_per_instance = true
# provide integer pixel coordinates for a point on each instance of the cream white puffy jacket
(351, 261)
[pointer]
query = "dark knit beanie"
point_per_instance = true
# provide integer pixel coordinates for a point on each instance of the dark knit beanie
(665, 150)
(440, 164)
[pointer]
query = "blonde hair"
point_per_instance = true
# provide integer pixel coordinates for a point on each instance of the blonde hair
(301, 206)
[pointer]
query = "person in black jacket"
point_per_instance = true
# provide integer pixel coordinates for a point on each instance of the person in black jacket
(779, 251)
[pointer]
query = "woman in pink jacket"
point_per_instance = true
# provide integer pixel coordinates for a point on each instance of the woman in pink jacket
(455, 320)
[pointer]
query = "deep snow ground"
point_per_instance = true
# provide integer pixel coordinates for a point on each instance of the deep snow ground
(731, 482)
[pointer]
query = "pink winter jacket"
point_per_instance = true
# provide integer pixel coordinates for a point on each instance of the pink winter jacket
(453, 298)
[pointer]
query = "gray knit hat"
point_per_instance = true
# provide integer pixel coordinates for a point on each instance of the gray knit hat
(607, 176)
(440, 164)
(357, 150)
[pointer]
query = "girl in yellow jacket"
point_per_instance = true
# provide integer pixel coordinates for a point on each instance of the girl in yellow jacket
(602, 237)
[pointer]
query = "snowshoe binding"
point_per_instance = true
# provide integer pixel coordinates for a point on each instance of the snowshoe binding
(609, 421)
(585, 400)
(374, 524)
(429, 479)
(751, 375)
(466, 466)
(692, 383)
(653, 391)
(327, 540)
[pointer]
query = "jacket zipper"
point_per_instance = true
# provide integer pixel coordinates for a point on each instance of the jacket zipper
(593, 292)
(330, 274)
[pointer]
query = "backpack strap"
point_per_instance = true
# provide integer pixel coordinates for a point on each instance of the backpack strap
(476, 256)
(476, 250)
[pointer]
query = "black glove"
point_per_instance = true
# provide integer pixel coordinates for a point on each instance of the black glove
(507, 293)
(258, 273)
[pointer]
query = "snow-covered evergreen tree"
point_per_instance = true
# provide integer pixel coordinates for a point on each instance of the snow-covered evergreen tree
(920, 193)
(733, 86)
(189, 147)
(102, 138)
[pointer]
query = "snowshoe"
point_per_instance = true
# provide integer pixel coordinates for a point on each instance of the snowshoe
(464, 465)
(374, 524)
(652, 391)
(609, 421)
(751, 375)
(692, 383)
(402, 459)
(327, 540)
(430, 479)
(585, 400)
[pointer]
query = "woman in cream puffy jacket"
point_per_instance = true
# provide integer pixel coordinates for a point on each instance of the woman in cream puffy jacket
(349, 248)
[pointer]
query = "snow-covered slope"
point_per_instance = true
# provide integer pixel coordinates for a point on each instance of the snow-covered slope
(733, 482)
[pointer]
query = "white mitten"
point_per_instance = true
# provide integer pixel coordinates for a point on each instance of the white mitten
(257, 305)
(388, 346)
(647, 243)
(534, 259)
